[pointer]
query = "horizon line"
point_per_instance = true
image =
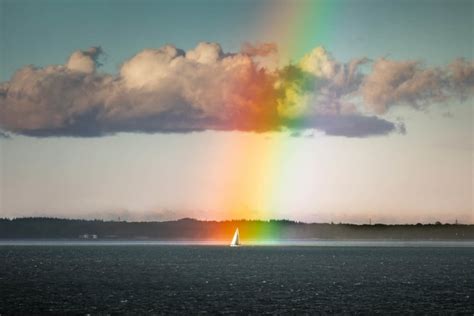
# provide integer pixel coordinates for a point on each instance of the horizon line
(436, 223)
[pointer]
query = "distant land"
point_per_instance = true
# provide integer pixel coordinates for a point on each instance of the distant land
(191, 229)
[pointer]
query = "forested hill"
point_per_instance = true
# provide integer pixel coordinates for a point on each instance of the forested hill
(190, 229)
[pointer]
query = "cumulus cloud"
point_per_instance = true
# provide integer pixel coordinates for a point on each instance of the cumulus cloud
(171, 90)
(461, 75)
(318, 85)
(395, 82)
(84, 61)
(50, 98)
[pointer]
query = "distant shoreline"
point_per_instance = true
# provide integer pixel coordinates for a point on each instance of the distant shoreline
(194, 230)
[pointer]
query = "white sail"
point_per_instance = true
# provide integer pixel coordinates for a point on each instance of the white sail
(235, 241)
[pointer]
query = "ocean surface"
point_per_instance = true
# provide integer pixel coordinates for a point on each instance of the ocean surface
(161, 278)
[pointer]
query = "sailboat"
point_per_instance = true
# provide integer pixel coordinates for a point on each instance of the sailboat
(235, 241)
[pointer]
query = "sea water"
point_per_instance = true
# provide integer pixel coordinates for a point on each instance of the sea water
(154, 278)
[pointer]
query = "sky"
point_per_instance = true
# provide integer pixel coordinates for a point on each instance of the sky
(317, 111)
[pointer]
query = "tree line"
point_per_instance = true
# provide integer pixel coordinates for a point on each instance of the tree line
(191, 229)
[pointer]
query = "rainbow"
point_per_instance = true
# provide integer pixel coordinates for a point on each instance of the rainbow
(259, 165)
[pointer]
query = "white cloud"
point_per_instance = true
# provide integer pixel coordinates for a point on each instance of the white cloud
(401, 82)
(170, 90)
(84, 61)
